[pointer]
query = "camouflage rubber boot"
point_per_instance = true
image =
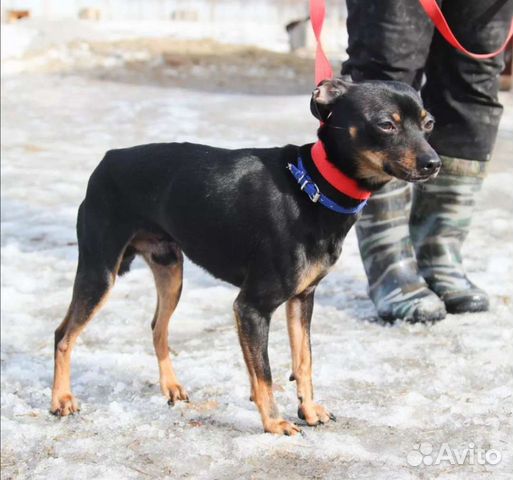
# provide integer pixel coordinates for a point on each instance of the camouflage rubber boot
(395, 284)
(441, 213)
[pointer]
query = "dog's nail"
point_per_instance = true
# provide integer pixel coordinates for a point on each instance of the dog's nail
(171, 403)
(332, 417)
(292, 377)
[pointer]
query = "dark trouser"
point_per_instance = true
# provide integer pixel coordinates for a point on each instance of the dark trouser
(395, 40)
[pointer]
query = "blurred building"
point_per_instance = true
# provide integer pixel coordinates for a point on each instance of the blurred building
(259, 22)
(192, 10)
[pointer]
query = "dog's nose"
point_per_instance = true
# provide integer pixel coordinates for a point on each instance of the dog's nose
(428, 163)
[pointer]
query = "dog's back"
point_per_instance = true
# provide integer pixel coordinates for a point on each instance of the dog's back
(180, 191)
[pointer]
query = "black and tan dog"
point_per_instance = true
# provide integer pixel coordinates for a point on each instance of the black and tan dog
(270, 221)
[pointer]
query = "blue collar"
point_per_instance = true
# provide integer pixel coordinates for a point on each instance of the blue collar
(312, 190)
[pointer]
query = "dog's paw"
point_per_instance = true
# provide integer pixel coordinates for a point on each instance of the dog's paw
(174, 392)
(281, 427)
(314, 414)
(64, 404)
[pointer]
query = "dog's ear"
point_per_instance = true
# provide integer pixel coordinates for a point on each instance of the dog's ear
(325, 95)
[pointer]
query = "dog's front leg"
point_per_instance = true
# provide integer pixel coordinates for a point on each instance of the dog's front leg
(253, 329)
(299, 316)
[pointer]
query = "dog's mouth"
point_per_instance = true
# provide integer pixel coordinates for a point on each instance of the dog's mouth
(415, 176)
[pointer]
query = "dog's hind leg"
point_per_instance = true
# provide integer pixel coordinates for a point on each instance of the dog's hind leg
(167, 271)
(100, 251)
(299, 315)
(90, 291)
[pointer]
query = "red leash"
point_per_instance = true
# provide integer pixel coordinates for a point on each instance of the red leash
(435, 14)
(323, 70)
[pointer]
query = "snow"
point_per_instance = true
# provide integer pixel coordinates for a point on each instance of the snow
(391, 387)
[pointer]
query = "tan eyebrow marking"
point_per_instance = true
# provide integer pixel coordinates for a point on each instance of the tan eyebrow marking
(396, 117)
(353, 131)
(423, 114)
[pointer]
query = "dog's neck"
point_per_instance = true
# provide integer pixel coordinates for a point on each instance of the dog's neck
(345, 188)
(348, 163)
(334, 176)
(305, 152)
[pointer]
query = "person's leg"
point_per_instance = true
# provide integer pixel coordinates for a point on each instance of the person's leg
(389, 40)
(462, 94)
(395, 285)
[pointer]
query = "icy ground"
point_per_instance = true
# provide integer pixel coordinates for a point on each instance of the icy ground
(391, 387)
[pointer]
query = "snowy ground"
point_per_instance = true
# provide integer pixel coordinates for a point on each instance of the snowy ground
(391, 387)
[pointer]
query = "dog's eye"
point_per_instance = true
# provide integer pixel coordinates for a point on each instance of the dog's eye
(429, 125)
(387, 126)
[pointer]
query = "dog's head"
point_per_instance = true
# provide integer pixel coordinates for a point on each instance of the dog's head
(375, 130)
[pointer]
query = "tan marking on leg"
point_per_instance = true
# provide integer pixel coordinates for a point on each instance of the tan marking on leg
(168, 281)
(300, 349)
(299, 337)
(63, 401)
(262, 393)
(311, 275)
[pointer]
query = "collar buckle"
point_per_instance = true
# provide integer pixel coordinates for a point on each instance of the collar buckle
(314, 194)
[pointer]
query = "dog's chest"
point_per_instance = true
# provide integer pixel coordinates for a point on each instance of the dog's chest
(317, 263)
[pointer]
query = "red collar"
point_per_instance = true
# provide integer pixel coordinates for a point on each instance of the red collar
(338, 180)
